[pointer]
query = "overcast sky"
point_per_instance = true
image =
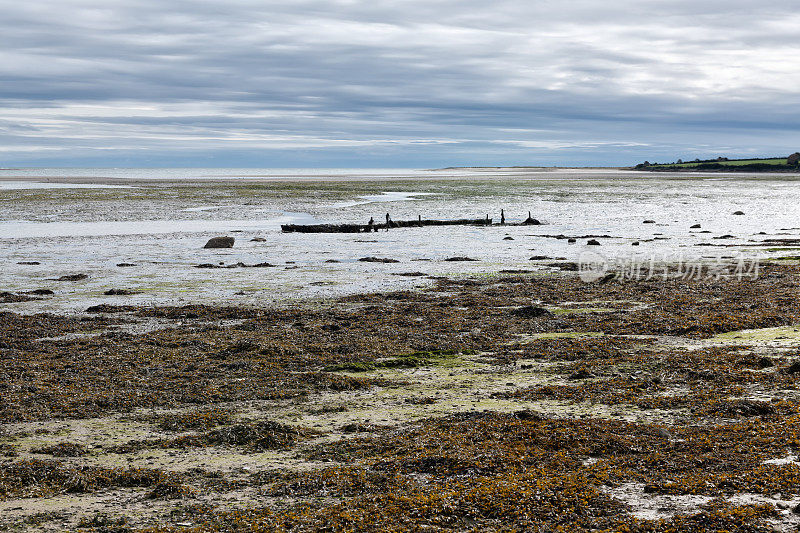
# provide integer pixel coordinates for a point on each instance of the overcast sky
(400, 83)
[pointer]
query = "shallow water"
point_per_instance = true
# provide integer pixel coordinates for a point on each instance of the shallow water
(163, 217)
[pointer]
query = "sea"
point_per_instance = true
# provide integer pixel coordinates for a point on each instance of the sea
(58, 222)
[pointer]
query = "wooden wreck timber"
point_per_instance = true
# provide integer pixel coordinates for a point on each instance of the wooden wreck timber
(366, 228)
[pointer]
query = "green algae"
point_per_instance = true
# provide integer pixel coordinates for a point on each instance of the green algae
(784, 335)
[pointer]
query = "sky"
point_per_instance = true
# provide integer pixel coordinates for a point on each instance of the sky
(396, 84)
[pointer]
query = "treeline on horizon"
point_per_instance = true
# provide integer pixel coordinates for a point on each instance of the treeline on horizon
(791, 162)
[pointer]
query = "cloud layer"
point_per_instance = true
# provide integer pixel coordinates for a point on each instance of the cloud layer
(400, 83)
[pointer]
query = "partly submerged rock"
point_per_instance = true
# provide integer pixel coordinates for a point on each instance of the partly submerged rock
(593, 242)
(73, 277)
(41, 292)
(28, 263)
(106, 308)
(119, 292)
(738, 212)
(378, 260)
(220, 242)
(460, 258)
(695, 226)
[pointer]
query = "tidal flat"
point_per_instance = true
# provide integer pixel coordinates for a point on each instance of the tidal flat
(454, 407)
(286, 385)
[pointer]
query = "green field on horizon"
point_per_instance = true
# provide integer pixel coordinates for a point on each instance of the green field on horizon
(732, 162)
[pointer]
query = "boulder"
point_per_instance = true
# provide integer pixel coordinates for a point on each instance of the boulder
(120, 292)
(571, 240)
(738, 212)
(378, 260)
(106, 308)
(649, 222)
(258, 239)
(460, 258)
(593, 242)
(695, 226)
(73, 277)
(41, 292)
(220, 242)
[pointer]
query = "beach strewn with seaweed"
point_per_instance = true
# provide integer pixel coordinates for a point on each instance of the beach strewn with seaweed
(629, 364)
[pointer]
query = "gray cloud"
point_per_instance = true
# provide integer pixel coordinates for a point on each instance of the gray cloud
(387, 83)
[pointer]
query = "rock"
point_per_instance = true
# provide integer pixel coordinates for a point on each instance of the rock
(460, 258)
(538, 258)
(530, 311)
(724, 237)
(583, 373)
(378, 260)
(664, 434)
(73, 277)
(635, 243)
(568, 266)
(611, 276)
(738, 212)
(794, 368)
(765, 362)
(411, 274)
(28, 263)
(333, 261)
(508, 238)
(41, 292)
(527, 414)
(593, 242)
(695, 226)
(119, 292)
(11, 298)
(106, 308)
(220, 242)
(258, 239)
(234, 265)
(126, 265)
(571, 240)
(649, 222)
